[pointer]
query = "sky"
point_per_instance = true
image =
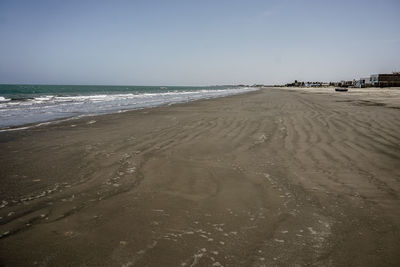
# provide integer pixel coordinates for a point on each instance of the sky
(190, 42)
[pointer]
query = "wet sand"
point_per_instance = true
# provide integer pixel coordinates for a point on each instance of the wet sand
(276, 177)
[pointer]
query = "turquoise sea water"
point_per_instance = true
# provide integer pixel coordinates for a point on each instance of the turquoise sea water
(29, 104)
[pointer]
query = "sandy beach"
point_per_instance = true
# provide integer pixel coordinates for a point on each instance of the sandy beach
(277, 177)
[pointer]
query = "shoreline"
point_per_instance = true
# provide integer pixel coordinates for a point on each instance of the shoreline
(272, 177)
(68, 118)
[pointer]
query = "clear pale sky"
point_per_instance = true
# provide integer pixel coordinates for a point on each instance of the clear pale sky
(192, 42)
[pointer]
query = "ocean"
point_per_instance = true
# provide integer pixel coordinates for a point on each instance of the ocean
(31, 104)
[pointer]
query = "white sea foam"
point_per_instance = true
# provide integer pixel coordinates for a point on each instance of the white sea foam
(52, 107)
(3, 99)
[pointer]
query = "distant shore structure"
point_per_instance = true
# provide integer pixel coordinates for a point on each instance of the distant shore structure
(375, 80)
(386, 80)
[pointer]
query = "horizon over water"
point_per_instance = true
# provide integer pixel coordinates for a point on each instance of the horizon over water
(22, 104)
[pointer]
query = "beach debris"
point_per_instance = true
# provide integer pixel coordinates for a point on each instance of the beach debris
(131, 170)
(42, 194)
(158, 210)
(5, 234)
(3, 204)
(197, 256)
(312, 231)
(204, 236)
(69, 233)
(261, 139)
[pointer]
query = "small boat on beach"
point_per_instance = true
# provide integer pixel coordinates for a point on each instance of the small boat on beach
(341, 89)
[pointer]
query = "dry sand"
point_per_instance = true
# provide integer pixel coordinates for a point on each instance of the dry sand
(276, 177)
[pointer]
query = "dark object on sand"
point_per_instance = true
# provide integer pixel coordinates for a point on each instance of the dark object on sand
(341, 89)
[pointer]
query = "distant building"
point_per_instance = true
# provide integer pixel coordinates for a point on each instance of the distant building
(346, 83)
(363, 82)
(385, 80)
(312, 84)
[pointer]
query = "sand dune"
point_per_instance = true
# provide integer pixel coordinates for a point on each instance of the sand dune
(271, 178)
